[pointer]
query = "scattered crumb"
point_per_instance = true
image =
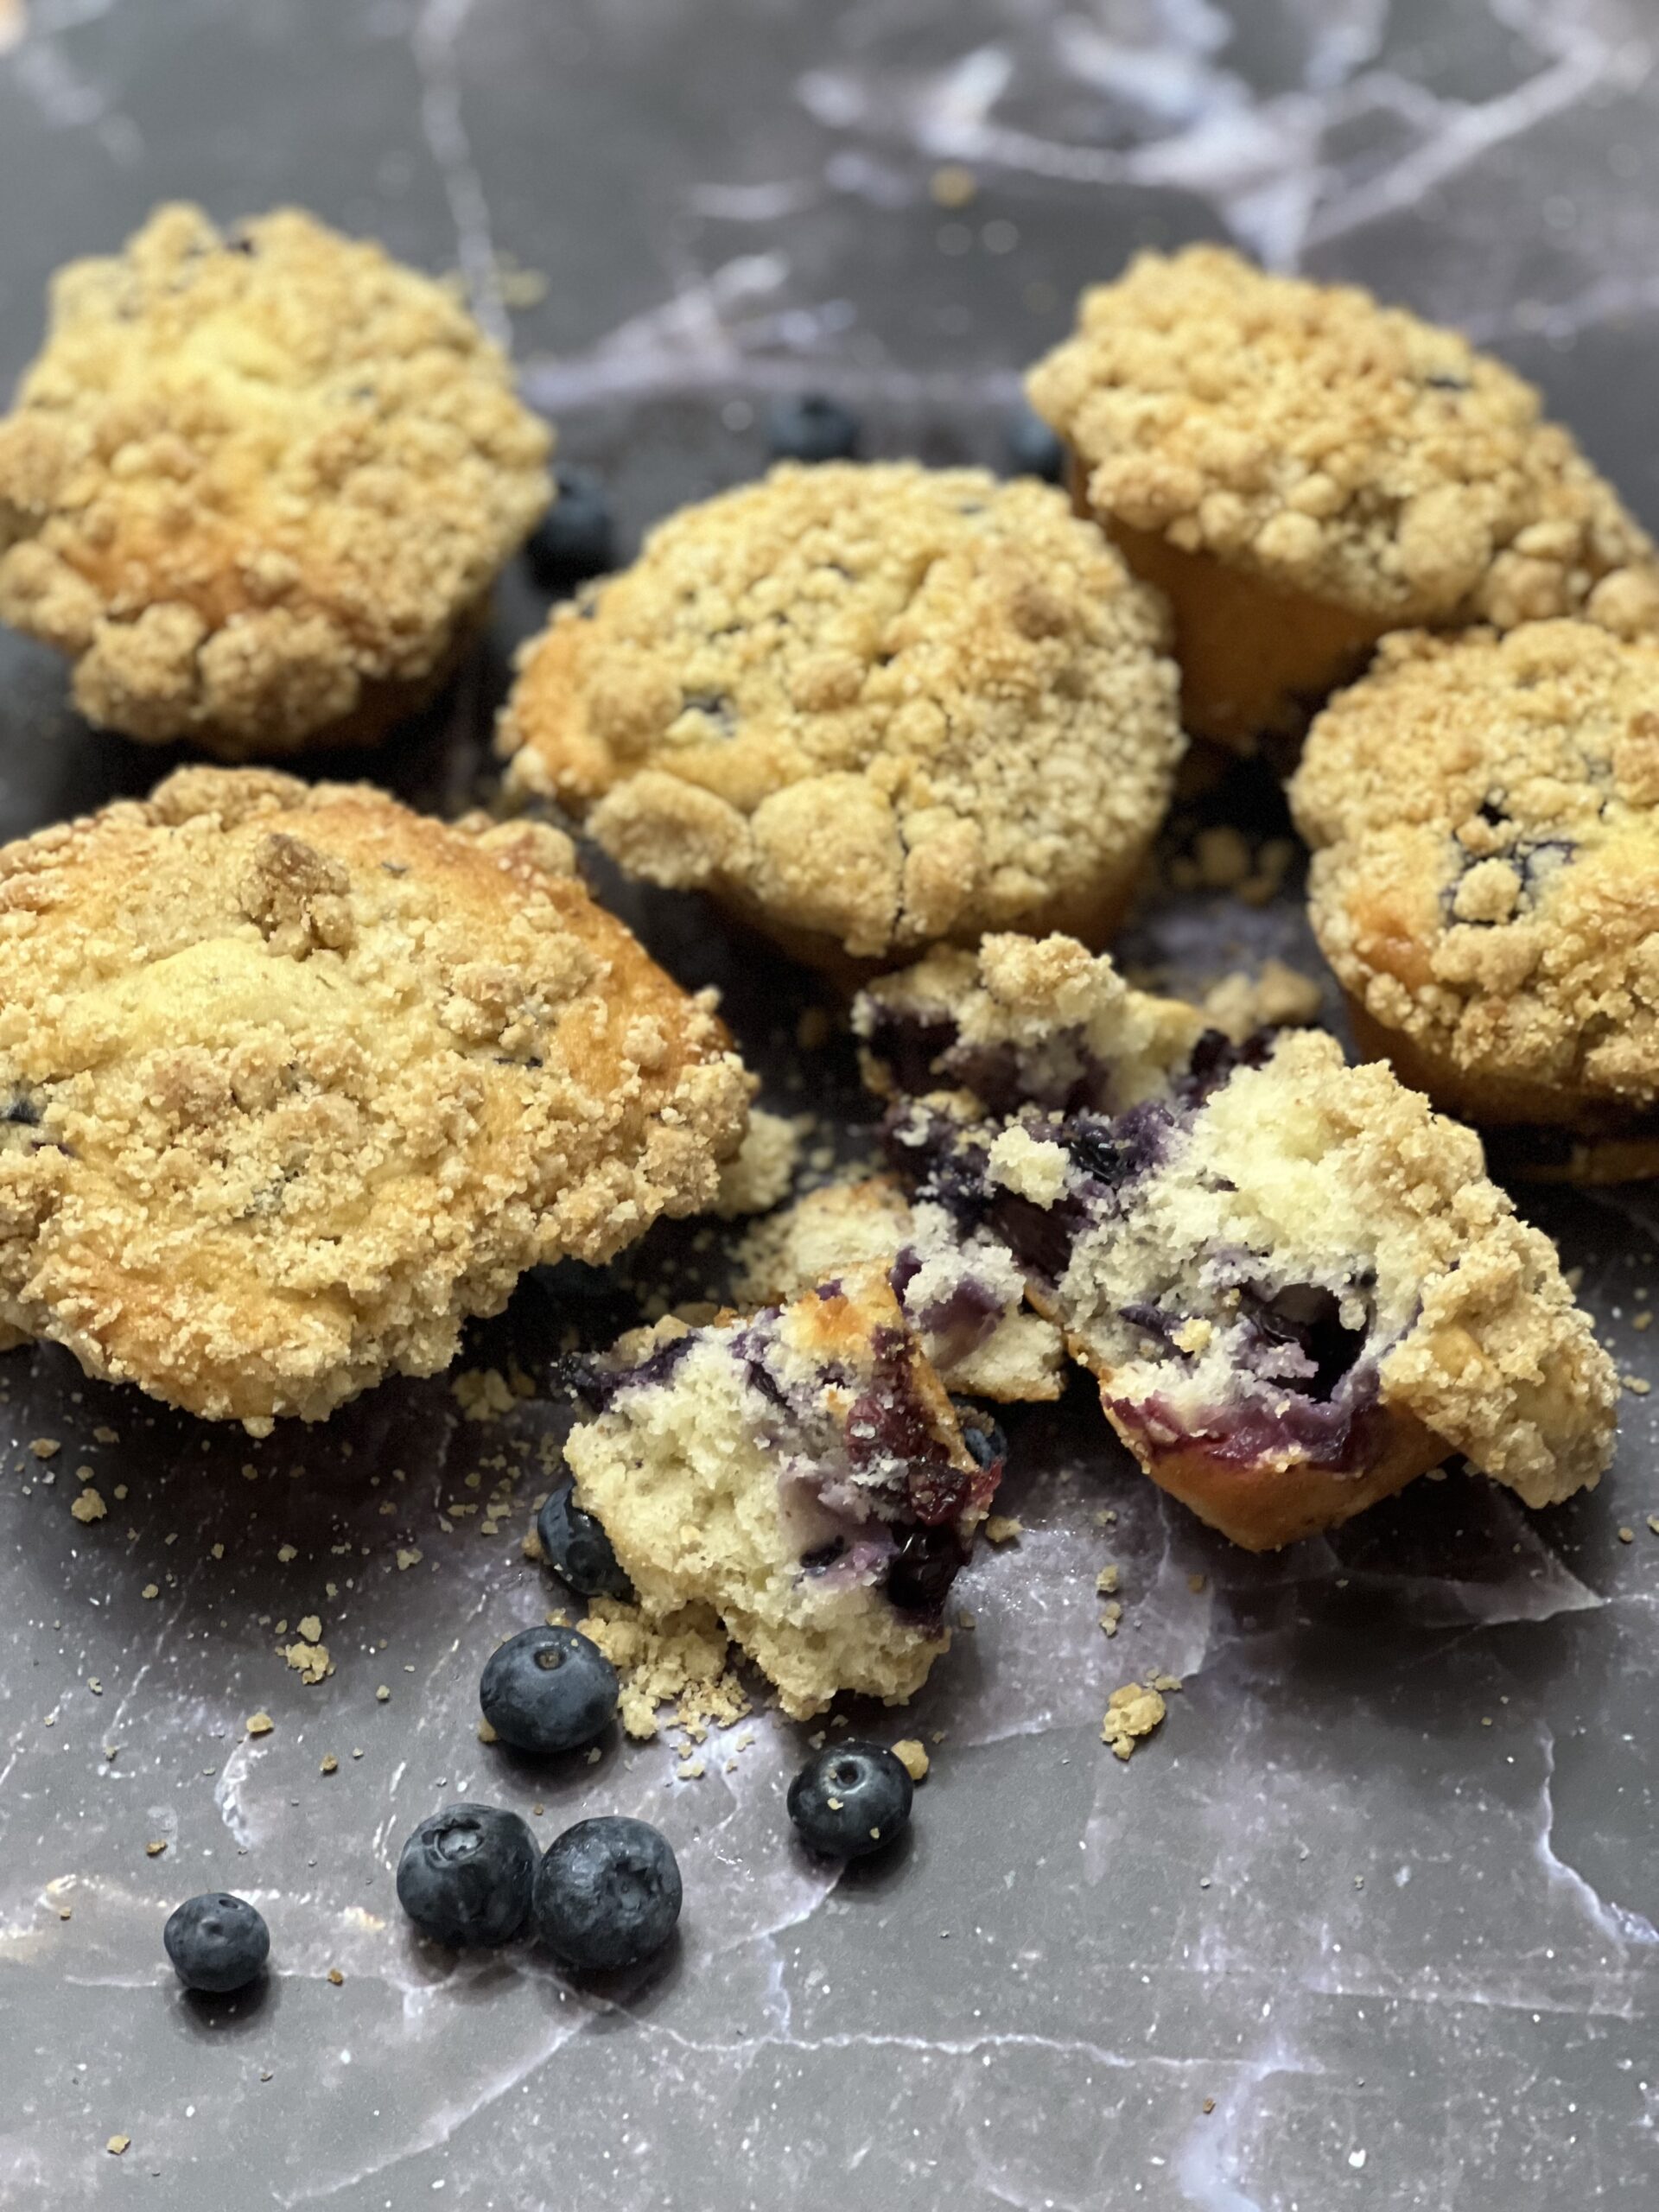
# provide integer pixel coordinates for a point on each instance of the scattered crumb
(1166, 1682)
(681, 1659)
(1003, 1528)
(1278, 997)
(335, 1976)
(1195, 1583)
(1106, 1582)
(407, 1556)
(1131, 1712)
(381, 1695)
(952, 186)
(966, 1622)
(106, 1436)
(693, 1771)
(46, 1447)
(155, 1849)
(913, 1758)
(89, 1506)
(1627, 1535)
(150, 1590)
(328, 1764)
(814, 1029)
(759, 1175)
(310, 1627)
(1209, 2104)
(1111, 1620)
(259, 1723)
(1222, 855)
(116, 2144)
(310, 1662)
(1642, 1321)
(1633, 1382)
(487, 1734)
(286, 1552)
(1653, 1522)
(482, 1393)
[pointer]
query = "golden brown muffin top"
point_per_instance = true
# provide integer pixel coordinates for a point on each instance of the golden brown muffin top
(1484, 812)
(1335, 446)
(880, 702)
(251, 473)
(292, 1080)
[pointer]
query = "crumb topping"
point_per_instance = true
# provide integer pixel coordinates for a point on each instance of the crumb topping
(1335, 446)
(878, 704)
(257, 484)
(293, 1080)
(1499, 905)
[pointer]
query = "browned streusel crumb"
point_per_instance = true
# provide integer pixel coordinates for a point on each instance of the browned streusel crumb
(293, 1080)
(258, 485)
(680, 1660)
(870, 705)
(1302, 469)
(1492, 912)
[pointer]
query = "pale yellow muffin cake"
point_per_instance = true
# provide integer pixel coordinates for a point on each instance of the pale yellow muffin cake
(867, 707)
(801, 1472)
(258, 483)
(965, 1295)
(1293, 1280)
(1485, 815)
(1300, 469)
(292, 1081)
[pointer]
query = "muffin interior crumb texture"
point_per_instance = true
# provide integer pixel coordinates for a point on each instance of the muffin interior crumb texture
(871, 706)
(258, 483)
(293, 1080)
(801, 1473)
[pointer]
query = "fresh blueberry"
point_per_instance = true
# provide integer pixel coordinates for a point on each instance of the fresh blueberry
(217, 1941)
(852, 1799)
(608, 1894)
(811, 426)
(1033, 448)
(465, 1876)
(576, 537)
(575, 1546)
(547, 1689)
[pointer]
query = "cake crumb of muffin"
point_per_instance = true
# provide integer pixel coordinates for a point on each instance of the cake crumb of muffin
(758, 1174)
(88, 1506)
(912, 1755)
(680, 1660)
(1132, 1713)
(1003, 1528)
(259, 1723)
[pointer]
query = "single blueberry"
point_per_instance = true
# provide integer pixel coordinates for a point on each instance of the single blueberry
(850, 1800)
(608, 1894)
(575, 1546)
(1033, 448)
(811, 426)
(465, 1874)
(576, 537)
(217, 1941)
(547, 1689)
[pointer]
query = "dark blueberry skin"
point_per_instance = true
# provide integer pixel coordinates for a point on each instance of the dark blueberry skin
(608, 1894)
(811, 427)
(576, 1547)
(576, 538)
(465, 1874)
(217, 1942)
(1033, 448)
(851, 1800)
(548, 1690)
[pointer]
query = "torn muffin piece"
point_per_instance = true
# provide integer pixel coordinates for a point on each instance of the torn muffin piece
(867, 707)
(1484, 817)
(1300, 469)
(1294, 1283)
(802, 1471)
(962, 1293)
(294, 1080)
(258, 485)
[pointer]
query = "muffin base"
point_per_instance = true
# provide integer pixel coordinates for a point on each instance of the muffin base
(1256, 663)
(1532, 1132)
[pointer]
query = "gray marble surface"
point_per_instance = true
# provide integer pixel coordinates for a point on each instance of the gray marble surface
(1371, 1923)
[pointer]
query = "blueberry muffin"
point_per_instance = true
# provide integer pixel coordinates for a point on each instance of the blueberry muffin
(1294, 1281)
(292, 1081)
(1484, 815)
(258, 485)
(1300, 470)
(866, 707)
(965, 1295)
(801, 1472)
